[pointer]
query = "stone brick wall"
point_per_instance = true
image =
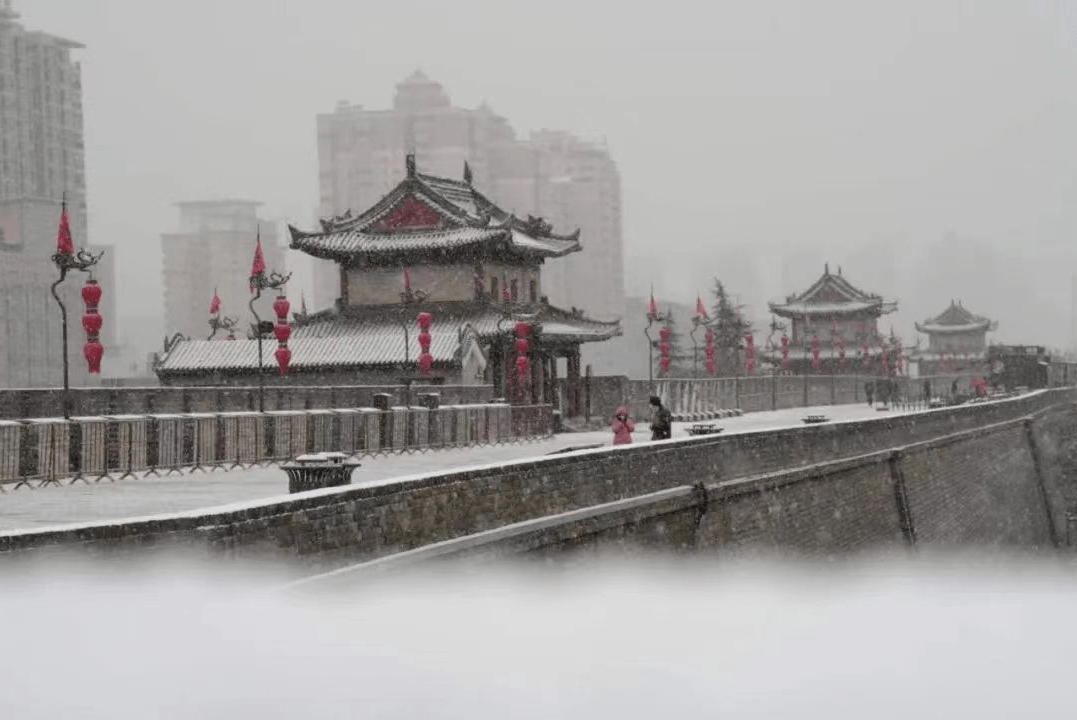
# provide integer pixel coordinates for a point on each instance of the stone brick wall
(46, 402)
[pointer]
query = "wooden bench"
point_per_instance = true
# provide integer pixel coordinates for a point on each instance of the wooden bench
(704, 429)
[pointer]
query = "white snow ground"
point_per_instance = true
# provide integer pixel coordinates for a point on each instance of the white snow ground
(27, 509)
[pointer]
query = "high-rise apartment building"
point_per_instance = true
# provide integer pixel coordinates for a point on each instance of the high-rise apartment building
(212, 251)
(41, 138)
(41, 164)
(567, 181)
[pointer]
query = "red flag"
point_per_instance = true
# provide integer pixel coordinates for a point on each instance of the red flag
(215, 303)
(64, 246)
(653, 309)
(700, 310)
(407, 279)
(259, 265)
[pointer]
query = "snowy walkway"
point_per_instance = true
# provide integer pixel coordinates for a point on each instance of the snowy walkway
(29, 508)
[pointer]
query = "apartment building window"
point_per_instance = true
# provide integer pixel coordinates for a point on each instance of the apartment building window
(534, 291)
(514, 292)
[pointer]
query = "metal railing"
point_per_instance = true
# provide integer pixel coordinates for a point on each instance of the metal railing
(38, 453)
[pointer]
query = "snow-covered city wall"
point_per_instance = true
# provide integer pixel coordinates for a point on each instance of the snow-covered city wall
(988, 484)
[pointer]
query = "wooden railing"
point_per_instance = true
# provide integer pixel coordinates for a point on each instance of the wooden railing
(36, 453)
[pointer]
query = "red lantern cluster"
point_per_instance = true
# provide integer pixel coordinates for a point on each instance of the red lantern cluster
(749, 353)
(708, 351)
(283, 331)
(815, 361)
(426, 360)
(93, 350)
(785, 351)
(664, 349)
(523, 363)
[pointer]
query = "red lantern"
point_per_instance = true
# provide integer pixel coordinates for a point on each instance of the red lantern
(522, 329)
(284, 358)
(91, 294)
(91, 323)
(664, 363)
(521, 346)
(93, 351)
(281, 306)
(712, 366)
(425, 319)
(522, 364)
(709, 338)
(708, 351)
(664, 333)
(426, 361)
(424, 341)
(283, 331)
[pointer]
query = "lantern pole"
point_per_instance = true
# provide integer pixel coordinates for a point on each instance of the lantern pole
(66, 261)
(652, 318)
(259, 281)
(408, 298)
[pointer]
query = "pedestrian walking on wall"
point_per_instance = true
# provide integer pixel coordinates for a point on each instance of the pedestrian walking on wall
(869, 391)
(661, 421)
(622, 427)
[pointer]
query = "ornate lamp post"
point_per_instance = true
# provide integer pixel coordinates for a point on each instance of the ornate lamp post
(653, 316)
(216, 322)
(259, 281)
(66, 259)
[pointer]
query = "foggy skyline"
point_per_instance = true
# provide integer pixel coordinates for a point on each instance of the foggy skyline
(921, 146)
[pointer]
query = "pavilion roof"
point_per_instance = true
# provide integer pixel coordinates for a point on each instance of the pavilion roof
(432, 218)
(832, 296)
(956, 319)
(372, 338)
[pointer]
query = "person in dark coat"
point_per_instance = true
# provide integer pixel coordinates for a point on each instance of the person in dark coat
(869, 390)
(927, 391)
(661, 421)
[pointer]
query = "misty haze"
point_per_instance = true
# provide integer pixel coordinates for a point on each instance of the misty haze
(544, 360)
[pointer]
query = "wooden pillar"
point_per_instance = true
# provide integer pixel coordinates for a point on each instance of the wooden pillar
(574, 383)
(555, 396)
(538, 379)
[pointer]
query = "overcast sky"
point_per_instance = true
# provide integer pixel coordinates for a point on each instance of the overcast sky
(775, 135)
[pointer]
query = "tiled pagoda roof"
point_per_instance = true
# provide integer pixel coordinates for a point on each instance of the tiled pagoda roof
(832, 296)
(956, 319)
(372, 338)
(429, 218)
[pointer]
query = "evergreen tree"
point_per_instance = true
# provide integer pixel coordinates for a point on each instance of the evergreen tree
(729, 329)
(680, 350)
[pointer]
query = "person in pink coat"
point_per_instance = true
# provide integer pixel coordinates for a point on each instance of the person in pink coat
(622, 427)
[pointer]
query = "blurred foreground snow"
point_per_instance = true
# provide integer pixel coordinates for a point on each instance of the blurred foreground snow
(665, 638)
